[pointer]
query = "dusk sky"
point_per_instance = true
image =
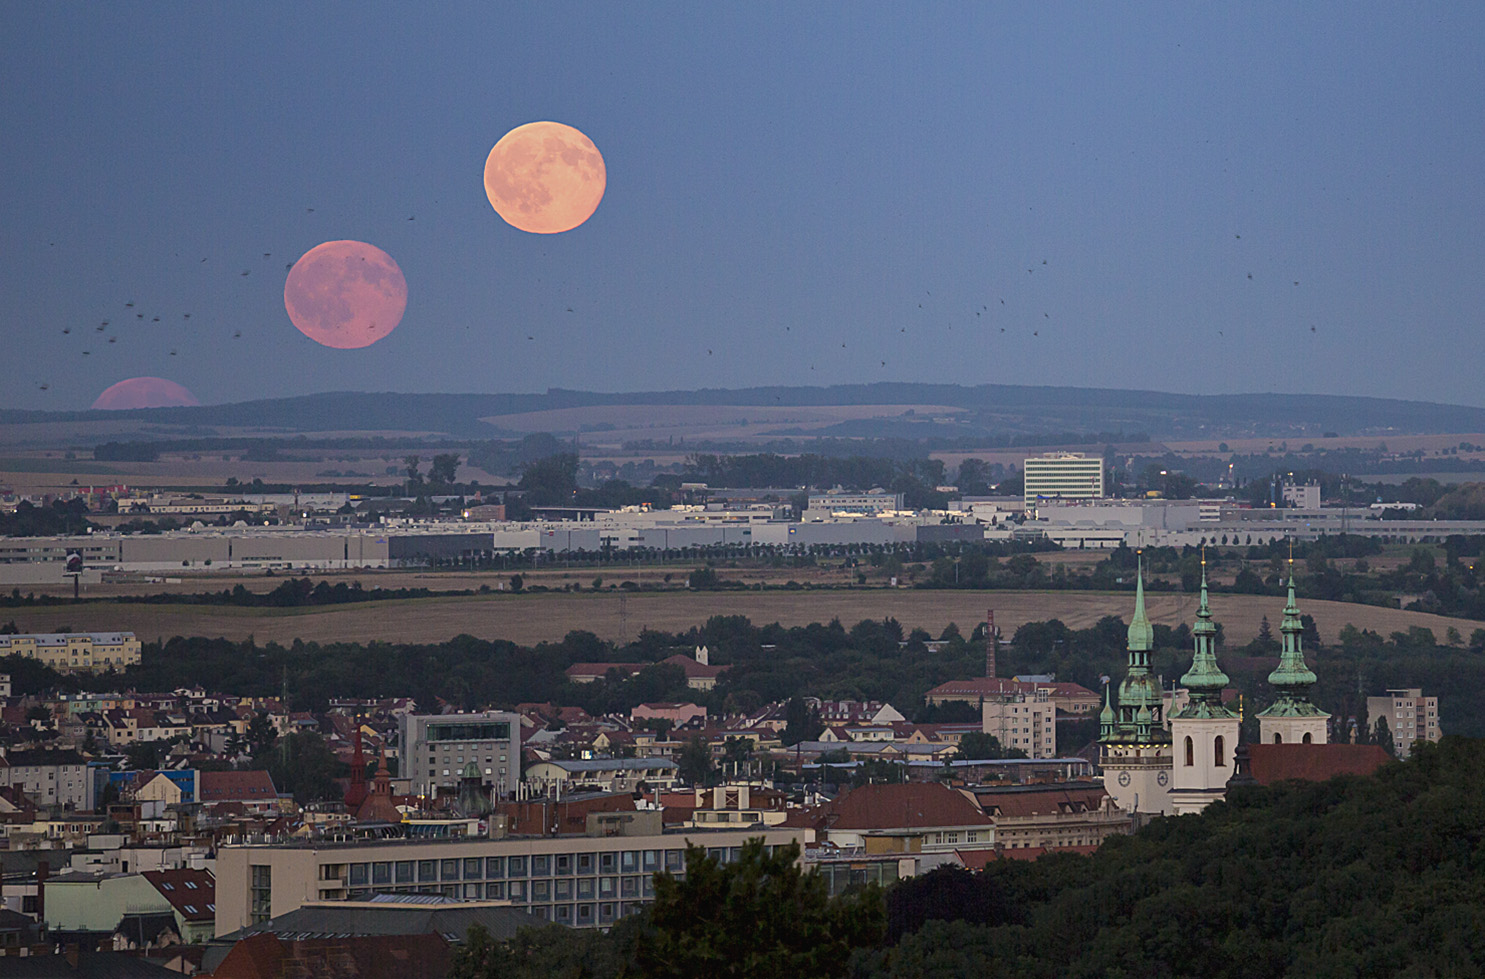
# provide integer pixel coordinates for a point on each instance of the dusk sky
(1195, 198)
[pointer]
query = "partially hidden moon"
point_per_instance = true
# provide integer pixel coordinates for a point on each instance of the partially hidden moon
(545, 177)
(144, 392)
(345, 294)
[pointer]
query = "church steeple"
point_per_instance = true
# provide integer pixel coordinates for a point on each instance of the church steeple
(1292, 677)
(1292, 718)
(1140, 716)
(1205, 679)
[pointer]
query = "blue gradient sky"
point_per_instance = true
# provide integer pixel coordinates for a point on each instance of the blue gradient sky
(797, 193)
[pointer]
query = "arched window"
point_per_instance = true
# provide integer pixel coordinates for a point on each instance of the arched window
(1219, 752)
(1307, 739)
(1190, 753)
(1278, 738)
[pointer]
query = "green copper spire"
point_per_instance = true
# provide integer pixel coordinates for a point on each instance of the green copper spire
(1205, 679)
(1106, 717)
(1292, 677)
(1140, 716)
(1141, 633)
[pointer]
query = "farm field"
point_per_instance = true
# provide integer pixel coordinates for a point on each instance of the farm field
(530, 619)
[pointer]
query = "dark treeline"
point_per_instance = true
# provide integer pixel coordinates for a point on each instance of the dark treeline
(872, 660)
(59, 518)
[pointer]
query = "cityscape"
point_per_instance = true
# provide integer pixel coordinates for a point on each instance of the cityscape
(851, 491)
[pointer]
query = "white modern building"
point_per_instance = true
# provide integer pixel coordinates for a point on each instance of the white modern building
(435, 748)
(1062, 476)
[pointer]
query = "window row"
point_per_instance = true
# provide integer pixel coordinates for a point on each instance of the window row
(534, 865)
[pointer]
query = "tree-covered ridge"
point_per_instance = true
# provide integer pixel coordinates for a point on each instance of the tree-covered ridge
(1355, 877)
(1377, 876)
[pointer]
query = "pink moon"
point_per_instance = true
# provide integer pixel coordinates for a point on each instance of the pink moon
(145, 392)
(345, 294)
(545, 178)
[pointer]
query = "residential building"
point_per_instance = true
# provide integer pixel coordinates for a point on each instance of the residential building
(1062, 476)
(1069, 698)
(1411, 717)
(1052, 816)
(584, 881)
(192, 897)
(600, 774)
(76, 652)
(935, 816)
(1024, 722)
(49, 776)
(435, 748)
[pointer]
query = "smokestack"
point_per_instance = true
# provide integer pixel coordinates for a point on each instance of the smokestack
(990, 643)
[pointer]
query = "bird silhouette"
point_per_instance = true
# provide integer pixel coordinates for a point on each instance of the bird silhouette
(139, 316)
(1035, 333)
(105, 322)
(156, 319)
(237, 335)
(172, 353)
(43, 385)
(186, 315)
(1312, 329)
(708, 352)
(569, 309)
(531, 338)
(246, 272)
(268, 254)
(412, 219)
(100, 329)
(66, 329)
(1250, 275)
(130, 305)
(87, 352)
(289, 267)
(113, 339)
(1296, 282)
(309, 210)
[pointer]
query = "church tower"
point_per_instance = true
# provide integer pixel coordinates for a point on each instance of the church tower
(1135, 754)
(1291, 718)
(1204, 733)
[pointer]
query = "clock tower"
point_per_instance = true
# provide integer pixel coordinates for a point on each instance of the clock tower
(1135, 753)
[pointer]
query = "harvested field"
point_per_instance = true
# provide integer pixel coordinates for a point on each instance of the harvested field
(532, 618)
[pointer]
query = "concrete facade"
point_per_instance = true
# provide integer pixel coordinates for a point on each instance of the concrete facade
(435, 748)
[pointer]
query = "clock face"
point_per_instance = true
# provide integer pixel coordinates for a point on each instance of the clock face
(1123, 778)
(1162, 778)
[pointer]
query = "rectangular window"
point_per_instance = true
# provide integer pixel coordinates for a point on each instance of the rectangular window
(651, 861)
(564, 864)
(474, 892)
(404, 871)
(449, 870)
(607, 863)
(629, 887)
(585, 914)
(563, 890)
(495, 867)
(495, 891)
(541, 890)
(516, 866)
(474, 868)
(608, 888)
(358, 874)
(585, 888)
(518, 890)
(260, 895)
(563, 913)
(541, 865)
(381, 873)
(630, 862)
(585, 863)
(427, 870)
(675, 861)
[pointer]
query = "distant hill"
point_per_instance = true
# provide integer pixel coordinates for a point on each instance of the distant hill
(988, 408)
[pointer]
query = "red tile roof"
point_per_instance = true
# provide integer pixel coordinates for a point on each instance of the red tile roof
(1270, 763)
(266, 956)
(254, 786)
(1021, 803)
(191, 892)
(913, 805)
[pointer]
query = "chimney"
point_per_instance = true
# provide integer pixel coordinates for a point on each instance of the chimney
(990, 643)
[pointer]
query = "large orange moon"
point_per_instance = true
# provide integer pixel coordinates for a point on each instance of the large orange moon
(144, 392)
(345, 294)
(545, 177)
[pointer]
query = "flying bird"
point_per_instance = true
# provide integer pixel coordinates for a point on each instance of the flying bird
(268, 254)
(246, 272)
(1312, 329)
(130, 305)
(43, 385)
(156, 319)
(102, 327)
(172, 353)
(237, 335)
(187, 315)
(66, 329)
(87, 352)
(113, 339)
(1250, 275)
(105, 322)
